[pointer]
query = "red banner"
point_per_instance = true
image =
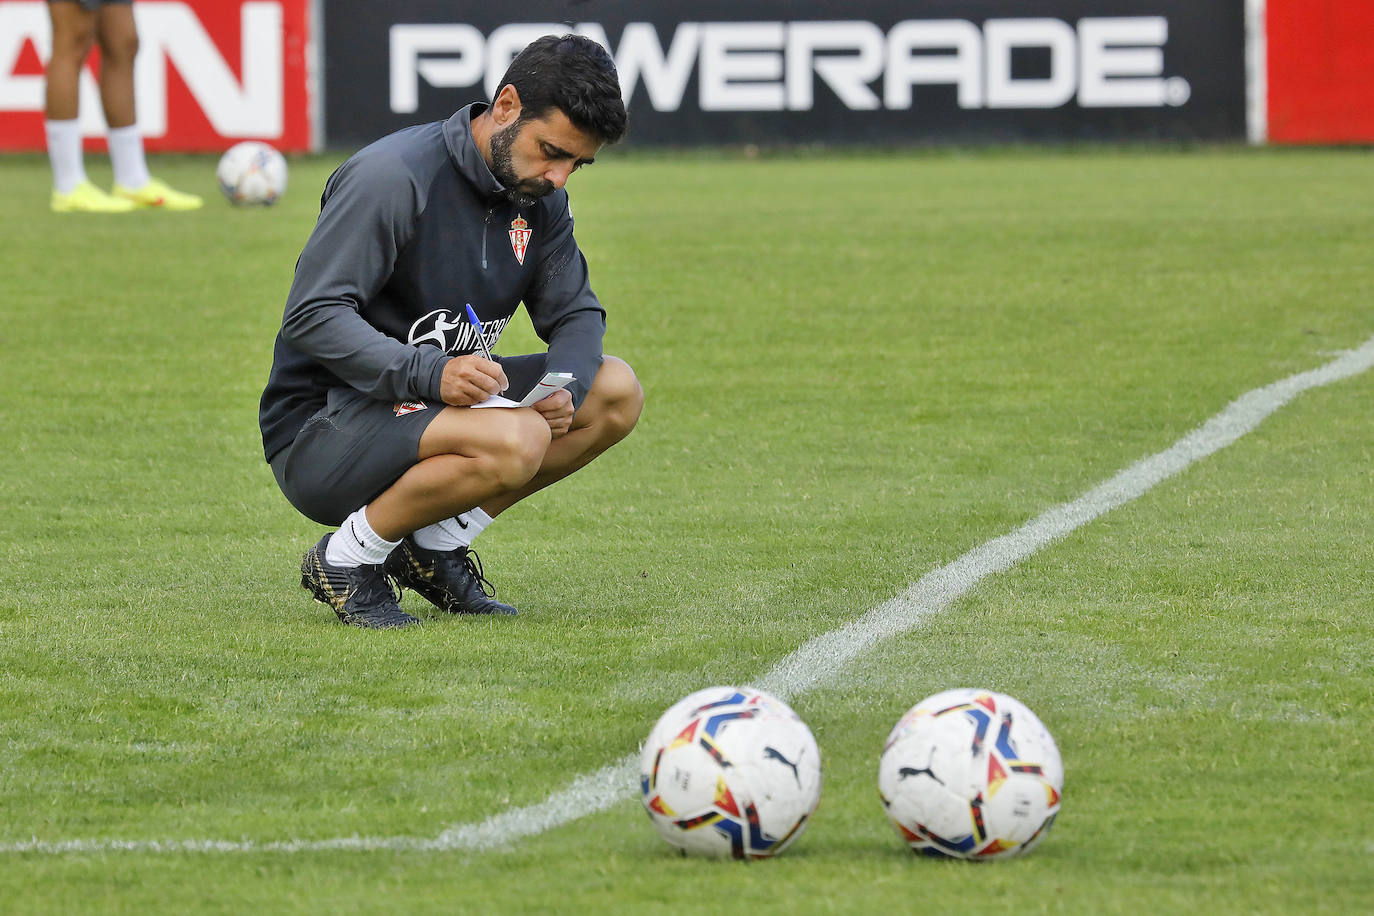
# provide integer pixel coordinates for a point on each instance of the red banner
(209, 73)
(1321, 71)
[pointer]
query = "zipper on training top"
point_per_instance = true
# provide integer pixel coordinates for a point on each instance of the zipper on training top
(486, 224)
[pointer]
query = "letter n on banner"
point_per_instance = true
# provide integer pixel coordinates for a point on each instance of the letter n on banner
(209, 73)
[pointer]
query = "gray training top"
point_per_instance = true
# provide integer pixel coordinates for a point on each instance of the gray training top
(411, 228)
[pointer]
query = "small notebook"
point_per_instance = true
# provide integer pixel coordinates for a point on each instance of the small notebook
(551, 382)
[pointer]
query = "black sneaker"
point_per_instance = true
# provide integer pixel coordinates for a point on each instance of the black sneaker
(451, 580)
(362, 596)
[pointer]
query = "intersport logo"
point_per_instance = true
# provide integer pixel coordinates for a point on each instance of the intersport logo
(451, 332)
(1104, 62)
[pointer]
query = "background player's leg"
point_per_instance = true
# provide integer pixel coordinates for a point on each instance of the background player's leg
(608, 414)
(73, 33)
(117, 34)
(118, 37)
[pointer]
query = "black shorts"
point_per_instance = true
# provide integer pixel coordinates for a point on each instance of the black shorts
(93, 5)
(356, 446)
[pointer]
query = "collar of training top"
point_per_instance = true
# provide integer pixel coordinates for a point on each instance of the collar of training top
(464, 152)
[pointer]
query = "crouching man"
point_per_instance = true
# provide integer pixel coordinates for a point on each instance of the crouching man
(367, 418)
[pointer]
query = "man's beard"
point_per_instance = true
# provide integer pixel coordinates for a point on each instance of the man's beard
(523, 192)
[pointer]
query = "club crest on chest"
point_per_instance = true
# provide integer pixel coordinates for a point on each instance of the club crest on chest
(519, 237)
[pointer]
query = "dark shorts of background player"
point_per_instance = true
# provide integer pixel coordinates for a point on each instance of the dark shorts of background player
(356, 446)
(91, 6)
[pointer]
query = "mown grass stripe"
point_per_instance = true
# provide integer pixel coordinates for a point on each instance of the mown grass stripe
(821, 659)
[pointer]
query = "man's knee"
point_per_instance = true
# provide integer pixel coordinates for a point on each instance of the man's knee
(119, 48)
(619, 396)
(73, 42)
(513, 455)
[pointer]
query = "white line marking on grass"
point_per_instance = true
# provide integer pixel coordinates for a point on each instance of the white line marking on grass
(821, 659)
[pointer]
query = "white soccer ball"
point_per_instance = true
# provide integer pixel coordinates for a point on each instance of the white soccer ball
(971, 774)
(252, 173)
(730, 771)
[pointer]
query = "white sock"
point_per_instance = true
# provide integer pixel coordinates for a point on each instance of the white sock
(126, 157)
(64, 154)
(356, 544)
(452, 533)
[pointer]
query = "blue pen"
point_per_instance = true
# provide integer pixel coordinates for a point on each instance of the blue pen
(477, 326)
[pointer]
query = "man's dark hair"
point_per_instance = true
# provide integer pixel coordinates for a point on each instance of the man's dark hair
(573, 74)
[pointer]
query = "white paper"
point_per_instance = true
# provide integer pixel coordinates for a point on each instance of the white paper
(551, 382)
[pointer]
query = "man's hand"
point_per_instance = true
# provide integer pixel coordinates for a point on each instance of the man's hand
(471, 379)
(557, 410)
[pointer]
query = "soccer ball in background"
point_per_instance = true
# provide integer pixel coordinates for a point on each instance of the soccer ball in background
(252, 173)
(730, 771)
(971, 774)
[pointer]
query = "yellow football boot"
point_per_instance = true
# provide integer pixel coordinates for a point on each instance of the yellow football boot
(157, 193)
(87, 198)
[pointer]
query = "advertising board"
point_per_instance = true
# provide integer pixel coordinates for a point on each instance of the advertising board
(816, 71)
(208, 74)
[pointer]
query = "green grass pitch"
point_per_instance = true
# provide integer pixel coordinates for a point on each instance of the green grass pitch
(858, 368)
